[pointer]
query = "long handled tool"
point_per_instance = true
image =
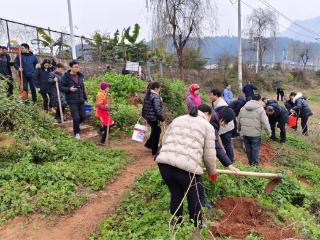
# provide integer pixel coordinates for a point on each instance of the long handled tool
(59, 100)
(275, 177)
(23, 93)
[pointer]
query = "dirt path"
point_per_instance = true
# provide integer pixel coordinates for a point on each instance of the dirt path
(84, 221)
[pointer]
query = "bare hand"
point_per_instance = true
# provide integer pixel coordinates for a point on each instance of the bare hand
(234, 169)
(73, 89)
(20, 69)
(56, 79)
(38, 66)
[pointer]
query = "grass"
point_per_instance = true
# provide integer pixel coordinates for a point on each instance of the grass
(144, 214)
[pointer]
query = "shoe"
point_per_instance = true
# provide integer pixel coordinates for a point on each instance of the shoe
(148, 146)
(77, 136)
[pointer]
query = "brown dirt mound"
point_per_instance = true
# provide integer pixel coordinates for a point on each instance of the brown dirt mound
(244, 215)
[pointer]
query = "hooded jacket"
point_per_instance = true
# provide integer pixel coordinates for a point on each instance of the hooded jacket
(152, 107)
(252, 119)
(67, 82)
(29, 62)
(301, 105)
(53, 90)
(189, 144)
(220, 102)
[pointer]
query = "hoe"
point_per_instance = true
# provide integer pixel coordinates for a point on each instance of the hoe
(275, 177)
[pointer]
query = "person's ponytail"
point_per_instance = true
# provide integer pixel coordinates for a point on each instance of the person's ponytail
(193, 111)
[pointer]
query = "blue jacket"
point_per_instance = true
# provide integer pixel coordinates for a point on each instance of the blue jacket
(42, 80)
(228, 96)
(236, 105)
(248, 90)
(29, 62)
(301, 106)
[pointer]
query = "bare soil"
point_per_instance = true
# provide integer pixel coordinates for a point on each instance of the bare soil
(243, 216)
(86, 220)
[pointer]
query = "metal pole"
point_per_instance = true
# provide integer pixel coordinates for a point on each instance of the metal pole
(257, 64)
(161, 69)
(239, 47)
(73, 46)
(274, 50)
(38, 43)
(82, 48)
(8, 35)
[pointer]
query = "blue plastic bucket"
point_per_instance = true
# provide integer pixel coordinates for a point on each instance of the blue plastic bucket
(88, 109)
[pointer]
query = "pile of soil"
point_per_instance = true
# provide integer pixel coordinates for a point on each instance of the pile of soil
(243, 216)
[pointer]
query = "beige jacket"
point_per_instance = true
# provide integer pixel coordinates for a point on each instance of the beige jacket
(188, 144)
(252, 119)
(220, 102)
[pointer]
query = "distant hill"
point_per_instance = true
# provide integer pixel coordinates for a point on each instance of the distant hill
(296, 33)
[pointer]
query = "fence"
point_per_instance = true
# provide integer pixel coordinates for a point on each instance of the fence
(12, 32)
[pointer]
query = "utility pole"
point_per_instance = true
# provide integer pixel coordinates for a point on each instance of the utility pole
(73, 45)
(258, 48)
(239, 47)
(274, 50)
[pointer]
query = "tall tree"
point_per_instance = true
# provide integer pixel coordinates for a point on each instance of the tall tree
(181, 20)
(262, 23)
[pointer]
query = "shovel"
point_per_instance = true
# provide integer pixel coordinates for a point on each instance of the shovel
(275, 177)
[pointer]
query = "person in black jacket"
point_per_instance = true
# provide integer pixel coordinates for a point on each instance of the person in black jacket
(152, 113)
(280, 94)
(302, 109)
(248, 90)
(72, 84)
(5, 69)
(28, 69)
(236, 105)
(54, 77)
(280, 115)
(42, 82)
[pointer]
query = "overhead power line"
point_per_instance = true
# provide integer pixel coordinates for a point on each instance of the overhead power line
(297, 33)
(289, 19)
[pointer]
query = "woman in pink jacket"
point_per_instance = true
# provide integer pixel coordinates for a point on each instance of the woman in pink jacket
(193, 100)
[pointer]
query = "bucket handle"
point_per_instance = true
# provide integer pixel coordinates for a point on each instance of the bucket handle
(138, 122)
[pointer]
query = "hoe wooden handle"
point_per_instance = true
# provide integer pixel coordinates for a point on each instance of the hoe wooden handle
(252, 174)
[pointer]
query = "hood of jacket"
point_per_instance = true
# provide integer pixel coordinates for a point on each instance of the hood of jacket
(299, 95)
(252, 105)
(220, 102)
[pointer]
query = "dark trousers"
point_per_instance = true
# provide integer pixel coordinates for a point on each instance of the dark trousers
(28, 81)
(226, 140)
(153, 141)
(46, 100)
(252, 145)
(78, 115)
(178, 182)
(58, 115)
(235, 130)
(280, 95)
(282, 127)
(304, 125)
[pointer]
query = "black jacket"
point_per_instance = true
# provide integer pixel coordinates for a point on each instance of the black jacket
(236, 105)
(220, 152)
(42, 80)
(152, 108)
(280, 115)
(67, 82)
(289, 105)
(29, 62)
(301, 106)
(53, 90)
(5, 65)
(248, 90)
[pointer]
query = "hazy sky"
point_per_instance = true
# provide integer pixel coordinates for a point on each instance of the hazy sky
(109, 15)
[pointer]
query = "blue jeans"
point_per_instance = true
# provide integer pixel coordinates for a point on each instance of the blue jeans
(226, 140)
(252, 145)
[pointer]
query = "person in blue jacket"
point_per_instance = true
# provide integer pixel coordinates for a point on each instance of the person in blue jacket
(248, 90)
(278, 116)
(28, 69)
(227, 94)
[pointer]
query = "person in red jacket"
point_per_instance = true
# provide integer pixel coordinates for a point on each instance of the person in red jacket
(102, 110)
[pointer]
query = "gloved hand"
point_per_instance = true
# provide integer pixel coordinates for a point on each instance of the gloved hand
(213, 177)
